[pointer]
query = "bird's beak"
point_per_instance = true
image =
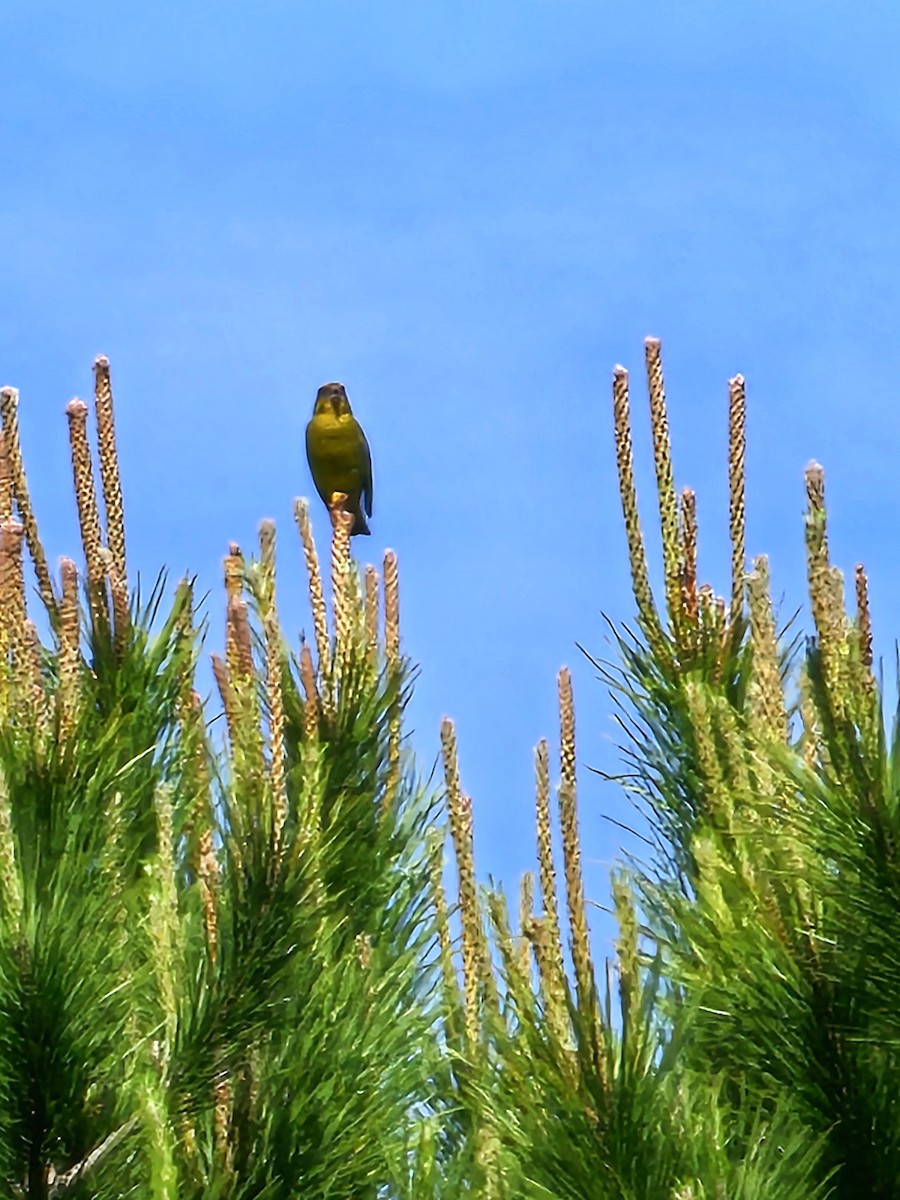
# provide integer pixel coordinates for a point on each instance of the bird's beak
(336, 405)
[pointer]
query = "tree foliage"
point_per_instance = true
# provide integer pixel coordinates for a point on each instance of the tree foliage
(233, 963)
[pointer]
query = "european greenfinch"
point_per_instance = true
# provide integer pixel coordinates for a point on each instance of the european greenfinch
(338, 455)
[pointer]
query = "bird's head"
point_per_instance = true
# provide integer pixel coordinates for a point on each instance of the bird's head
(332, 398)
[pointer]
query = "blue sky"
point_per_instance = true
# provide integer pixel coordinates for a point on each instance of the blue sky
(467, 213)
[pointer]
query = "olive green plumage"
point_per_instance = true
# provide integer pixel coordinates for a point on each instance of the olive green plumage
(338, 454)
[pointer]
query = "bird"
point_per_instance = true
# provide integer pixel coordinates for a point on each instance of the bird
(338, 455)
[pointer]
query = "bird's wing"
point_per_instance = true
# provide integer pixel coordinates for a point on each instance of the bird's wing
(311, 459)
(367, 472)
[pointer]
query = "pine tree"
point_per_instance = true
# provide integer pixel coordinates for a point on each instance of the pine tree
(233, 963)
(743, 1043)
(214, 952)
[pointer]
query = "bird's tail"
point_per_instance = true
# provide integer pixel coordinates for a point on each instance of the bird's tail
(359, 523)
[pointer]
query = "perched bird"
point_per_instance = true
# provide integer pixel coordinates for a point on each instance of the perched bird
(338, 454)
